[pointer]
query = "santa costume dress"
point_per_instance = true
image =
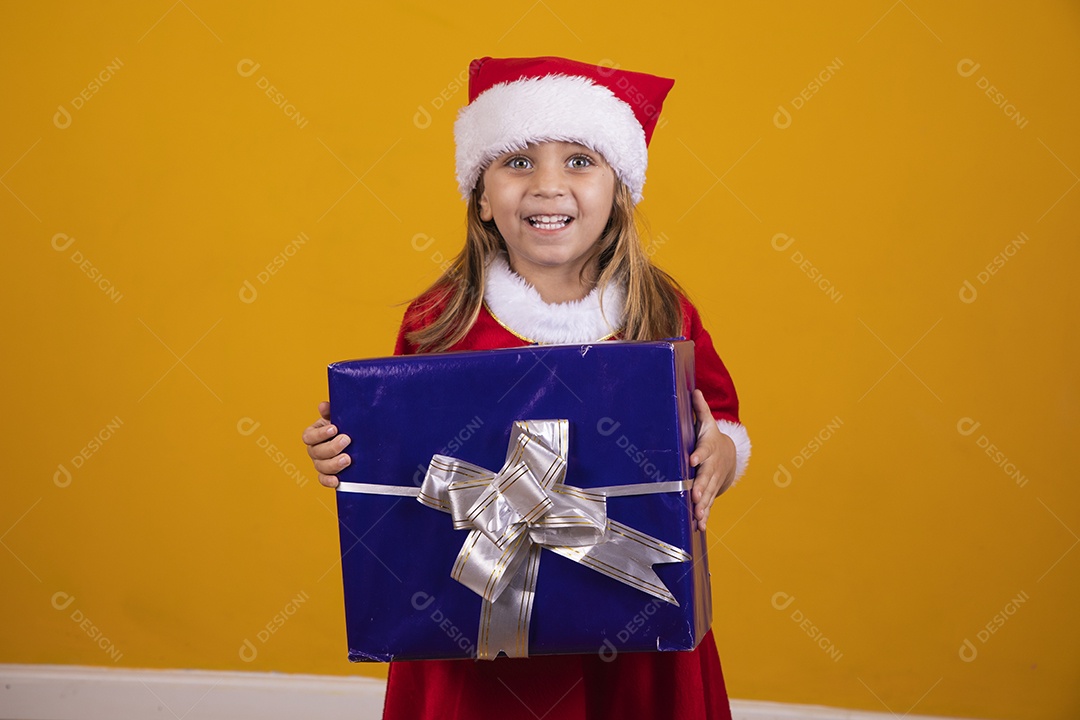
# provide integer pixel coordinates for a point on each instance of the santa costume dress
(685, 685)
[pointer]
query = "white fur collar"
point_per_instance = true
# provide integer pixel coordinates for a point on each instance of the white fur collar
(517, 305)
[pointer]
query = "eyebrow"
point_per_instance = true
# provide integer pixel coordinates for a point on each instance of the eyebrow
(574, 147)
(574, 150)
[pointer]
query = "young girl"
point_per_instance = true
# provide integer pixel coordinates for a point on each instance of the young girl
(551, 157)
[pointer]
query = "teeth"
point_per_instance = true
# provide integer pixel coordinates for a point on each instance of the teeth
(549, 222)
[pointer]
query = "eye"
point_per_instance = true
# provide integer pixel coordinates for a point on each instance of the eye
(518, 162)
(580, 161)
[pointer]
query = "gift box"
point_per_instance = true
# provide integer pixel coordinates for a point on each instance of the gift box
(526, 501)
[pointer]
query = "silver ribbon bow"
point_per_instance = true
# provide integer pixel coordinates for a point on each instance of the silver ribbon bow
(513, 513)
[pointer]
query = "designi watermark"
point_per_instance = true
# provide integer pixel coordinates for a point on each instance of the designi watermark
(452, 445)
(62, 477)
(422, 601)
(248, 650)
(61, 242)
(422, 118)
(969, 650)
(967, 68)
(782, 116)
(248, 292)
(421, 242)
(968, 292)
(655, 243)
(248, 67)
(782, 601)
(62, 118)
(967, 426)
(607, 427)
(62, 601)
(247, 427)
(633, 96)
(781, 242)
(608, 650)
(782, 476)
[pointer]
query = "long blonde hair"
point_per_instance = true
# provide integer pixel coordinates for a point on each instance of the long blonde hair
(652, 309)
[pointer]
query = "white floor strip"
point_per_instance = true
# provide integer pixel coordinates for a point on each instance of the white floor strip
(62, 692)
(57, 692)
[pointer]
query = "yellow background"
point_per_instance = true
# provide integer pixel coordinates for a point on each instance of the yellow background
(899, 180)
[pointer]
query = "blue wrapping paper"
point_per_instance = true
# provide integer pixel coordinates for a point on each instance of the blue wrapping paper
(630, 421)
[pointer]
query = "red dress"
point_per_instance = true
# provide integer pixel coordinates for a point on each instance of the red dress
(658, 686)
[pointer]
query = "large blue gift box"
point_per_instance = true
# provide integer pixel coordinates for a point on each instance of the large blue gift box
(527, 501)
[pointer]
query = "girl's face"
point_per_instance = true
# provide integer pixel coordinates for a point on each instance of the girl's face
(551, 202)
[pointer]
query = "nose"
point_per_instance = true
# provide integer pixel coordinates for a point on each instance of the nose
(548, 180)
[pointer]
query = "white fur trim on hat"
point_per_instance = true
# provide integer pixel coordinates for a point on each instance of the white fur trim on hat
(509, 116)
(518, 306)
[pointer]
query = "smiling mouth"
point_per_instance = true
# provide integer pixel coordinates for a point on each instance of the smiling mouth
(550, 222)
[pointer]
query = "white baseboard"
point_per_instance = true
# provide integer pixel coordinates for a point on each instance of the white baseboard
(64, 692)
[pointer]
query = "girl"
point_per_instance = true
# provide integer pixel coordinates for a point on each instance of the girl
(551, 157)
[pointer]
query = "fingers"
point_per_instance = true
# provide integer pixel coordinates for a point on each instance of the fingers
(701, 409)
(706, 486)
(710, 483)
(319, 431)
(714, 460)
(329, 459)
(329, 448)
(326, 448)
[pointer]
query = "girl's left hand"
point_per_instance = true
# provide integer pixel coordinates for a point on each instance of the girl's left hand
(714, 458)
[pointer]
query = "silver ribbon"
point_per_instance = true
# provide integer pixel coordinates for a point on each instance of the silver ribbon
(513, 513)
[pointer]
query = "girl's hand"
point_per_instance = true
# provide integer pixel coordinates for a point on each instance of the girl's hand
(326, 447)
(714, 458)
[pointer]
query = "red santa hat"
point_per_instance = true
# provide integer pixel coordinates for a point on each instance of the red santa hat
(515, 101)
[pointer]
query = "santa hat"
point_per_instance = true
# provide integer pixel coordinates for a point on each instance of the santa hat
(515, 101)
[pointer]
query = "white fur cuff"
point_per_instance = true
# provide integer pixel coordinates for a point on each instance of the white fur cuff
(741, 438)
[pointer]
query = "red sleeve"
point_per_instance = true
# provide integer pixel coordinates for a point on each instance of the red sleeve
(420, 312)
(715, 383)
(403, 346)
(711, 376)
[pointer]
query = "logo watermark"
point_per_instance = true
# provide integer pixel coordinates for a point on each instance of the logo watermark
(62, 118)
(62, 601)
(782, 601)
(607, 427)
(422, 241)
(967, 427)
(968, 67)
(608, 650)
(62, 476)
(631, 94)
(248, 292)
(782, 117)
(248, 67)
(968, 292)
(782, 477)
(247, 427)
(781, 242)
(61, 242)
(654, 243)
(248, 650)
(422, 117)
(422, 601)
(968, 650)
(453, 445)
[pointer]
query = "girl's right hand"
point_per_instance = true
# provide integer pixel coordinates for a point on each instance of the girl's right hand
(326, 448)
